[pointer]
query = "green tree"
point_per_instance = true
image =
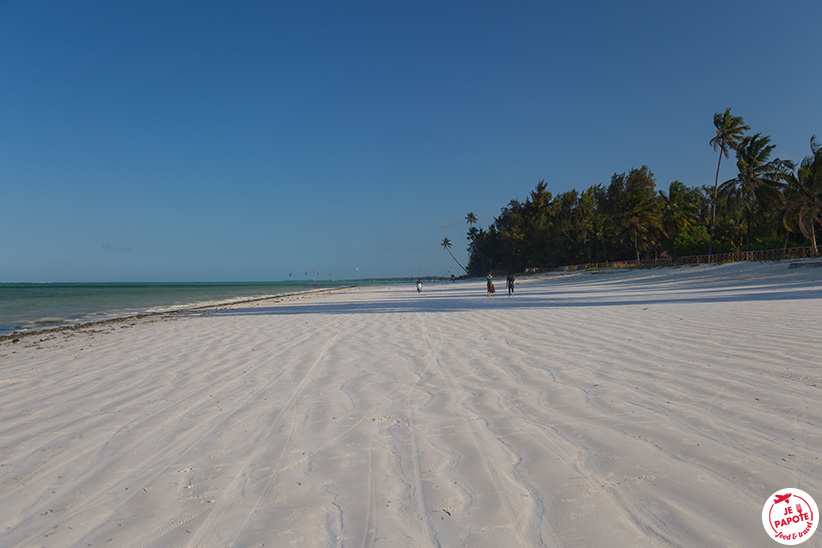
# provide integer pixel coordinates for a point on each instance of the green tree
(692, 240)
(602, 237)
(634, 205)
(730, 230)
(729, 130)
(804, 193)
(471, 219)
(510, 237)
(639, 219)
(679, 208)
(680, 211)
(565, 241)
(473, 234)
(478, 251)
(585, 214)
(759, 180)
(446, 244)
(537, 228)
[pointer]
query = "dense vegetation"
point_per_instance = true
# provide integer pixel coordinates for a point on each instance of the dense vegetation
(771, 203)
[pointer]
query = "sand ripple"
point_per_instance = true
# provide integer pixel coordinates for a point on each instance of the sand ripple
(654, 407)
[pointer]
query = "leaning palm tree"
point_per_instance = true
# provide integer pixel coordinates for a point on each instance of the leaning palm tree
(729, 130)
(759, 180)
(804, 193)
(446, 244)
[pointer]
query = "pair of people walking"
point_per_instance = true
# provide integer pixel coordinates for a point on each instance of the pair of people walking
(509, 282)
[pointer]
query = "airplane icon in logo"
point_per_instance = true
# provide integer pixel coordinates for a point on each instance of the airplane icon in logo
(782, 498)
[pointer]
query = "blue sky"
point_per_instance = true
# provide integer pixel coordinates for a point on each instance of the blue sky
(199, 141)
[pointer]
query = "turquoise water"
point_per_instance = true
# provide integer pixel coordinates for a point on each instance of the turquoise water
(26, 306)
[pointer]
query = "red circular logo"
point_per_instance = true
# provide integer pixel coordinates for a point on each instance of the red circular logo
(790, 516)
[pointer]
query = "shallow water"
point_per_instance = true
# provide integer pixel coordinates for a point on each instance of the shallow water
(34, 306)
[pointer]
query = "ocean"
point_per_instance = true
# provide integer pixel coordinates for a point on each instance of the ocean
(37, 306)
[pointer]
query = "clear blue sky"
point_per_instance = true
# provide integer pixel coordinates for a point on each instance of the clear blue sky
(184, 141)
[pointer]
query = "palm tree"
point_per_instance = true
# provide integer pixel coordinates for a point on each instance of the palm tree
(679, 208)
(729, 130)
(804, 193)
(787, 215)
(446, 244)
(759, 180)
(584, 213)
(603, 235)
(472, 235)
(639, 218)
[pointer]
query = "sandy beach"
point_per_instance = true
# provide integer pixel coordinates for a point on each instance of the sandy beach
(656, 407)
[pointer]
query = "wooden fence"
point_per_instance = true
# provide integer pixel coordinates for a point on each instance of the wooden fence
(737, 256)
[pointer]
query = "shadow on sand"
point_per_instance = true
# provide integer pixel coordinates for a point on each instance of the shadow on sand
(473, 299)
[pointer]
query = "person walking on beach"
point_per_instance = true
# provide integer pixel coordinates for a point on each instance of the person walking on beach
(510, 283)
(419, 285)
(489, 284)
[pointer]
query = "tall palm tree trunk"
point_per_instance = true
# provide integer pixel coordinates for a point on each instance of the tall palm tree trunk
(455, 260)
(713, 206)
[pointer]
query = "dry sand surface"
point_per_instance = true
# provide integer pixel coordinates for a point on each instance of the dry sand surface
(653, 407)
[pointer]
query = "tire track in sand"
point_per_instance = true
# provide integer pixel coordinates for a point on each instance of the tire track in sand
(452, 384)
(416, 464)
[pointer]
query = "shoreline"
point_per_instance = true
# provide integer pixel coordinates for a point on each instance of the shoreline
(80, 324)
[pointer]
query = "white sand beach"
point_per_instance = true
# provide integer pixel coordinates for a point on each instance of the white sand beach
(656, 407)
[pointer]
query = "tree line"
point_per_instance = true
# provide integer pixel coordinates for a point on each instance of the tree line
(770, 203)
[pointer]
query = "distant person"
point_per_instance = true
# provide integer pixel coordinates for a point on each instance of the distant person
(453, 279)
(510, 283)
(419, 285)
(489, 284)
